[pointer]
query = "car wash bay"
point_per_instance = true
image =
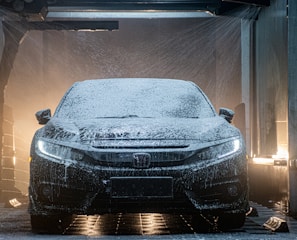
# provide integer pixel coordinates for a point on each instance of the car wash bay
(241, 55)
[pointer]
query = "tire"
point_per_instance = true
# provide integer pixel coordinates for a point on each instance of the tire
(50, 223)
(229, 221)
(202, 223)
(212, 222)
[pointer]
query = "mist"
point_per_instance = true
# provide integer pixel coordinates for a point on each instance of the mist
(206, 51)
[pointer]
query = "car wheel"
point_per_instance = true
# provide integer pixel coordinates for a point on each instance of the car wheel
(203, 223)
(50, 224)
(231, 220)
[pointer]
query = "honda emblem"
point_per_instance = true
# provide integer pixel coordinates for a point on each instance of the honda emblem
(141, 160)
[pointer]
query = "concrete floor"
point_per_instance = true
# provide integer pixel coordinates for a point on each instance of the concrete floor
(15, 224)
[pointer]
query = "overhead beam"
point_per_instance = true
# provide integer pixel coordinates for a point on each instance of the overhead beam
(94, 8)
(251, 2)
(71, 25)
(37, 6)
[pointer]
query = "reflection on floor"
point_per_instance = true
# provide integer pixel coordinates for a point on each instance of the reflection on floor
(145, 224)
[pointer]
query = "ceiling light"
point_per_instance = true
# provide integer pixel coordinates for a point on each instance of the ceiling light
(54, 14)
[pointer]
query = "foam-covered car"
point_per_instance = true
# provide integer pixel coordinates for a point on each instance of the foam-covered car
(137, 145)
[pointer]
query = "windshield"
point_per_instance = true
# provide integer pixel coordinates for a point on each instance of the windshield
(144, 98)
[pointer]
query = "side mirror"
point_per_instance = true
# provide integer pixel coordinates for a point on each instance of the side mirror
(227, 114)
(43, 116)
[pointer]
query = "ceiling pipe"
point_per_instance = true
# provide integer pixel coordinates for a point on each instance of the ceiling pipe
(251, 2)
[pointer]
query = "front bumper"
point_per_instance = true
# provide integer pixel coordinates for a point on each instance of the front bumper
(79, 188)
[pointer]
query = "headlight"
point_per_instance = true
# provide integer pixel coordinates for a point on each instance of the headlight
(58, 151)
(219, 151)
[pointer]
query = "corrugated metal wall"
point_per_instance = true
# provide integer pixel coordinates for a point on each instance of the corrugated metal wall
(270, 80)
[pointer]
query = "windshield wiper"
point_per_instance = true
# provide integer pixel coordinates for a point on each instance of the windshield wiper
(125, 116)
(130, 116)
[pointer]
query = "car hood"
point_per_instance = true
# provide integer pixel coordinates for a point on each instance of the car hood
(139, 129)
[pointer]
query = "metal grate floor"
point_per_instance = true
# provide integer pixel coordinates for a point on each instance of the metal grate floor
(144, 224)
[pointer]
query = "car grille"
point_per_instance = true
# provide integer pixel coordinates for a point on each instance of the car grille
(140, 147)
(125, 159)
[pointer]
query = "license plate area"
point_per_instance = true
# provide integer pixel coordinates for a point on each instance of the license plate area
(141, 187)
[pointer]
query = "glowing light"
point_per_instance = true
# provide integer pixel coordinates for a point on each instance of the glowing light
(55, 13)
(234, 149)
(150, 223)
(280, 159)
(263, 161)
(281, 153)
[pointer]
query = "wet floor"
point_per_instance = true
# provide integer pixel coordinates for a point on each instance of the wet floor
(15, 224)
(149, 224)
(129, 224)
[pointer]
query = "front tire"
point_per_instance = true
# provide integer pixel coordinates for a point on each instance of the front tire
(203, 223)
(210, 222)
(229, 221)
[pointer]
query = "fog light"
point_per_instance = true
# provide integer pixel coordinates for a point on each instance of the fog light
(46, 191)
(232, 190)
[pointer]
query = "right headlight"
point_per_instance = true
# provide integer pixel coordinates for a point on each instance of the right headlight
(219, 151)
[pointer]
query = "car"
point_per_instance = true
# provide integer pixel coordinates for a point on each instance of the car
(137, 145)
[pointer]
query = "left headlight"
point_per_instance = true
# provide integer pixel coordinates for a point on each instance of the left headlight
(219, 151)
(57, 151)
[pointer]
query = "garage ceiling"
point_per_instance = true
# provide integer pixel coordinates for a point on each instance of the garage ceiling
(43, 7)
(104, 14)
